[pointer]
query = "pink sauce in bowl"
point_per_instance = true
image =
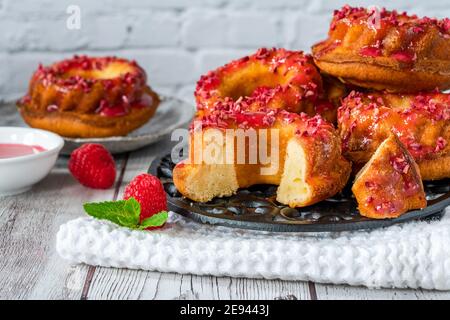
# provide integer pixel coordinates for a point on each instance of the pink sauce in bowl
(13, 150)
(27, 156)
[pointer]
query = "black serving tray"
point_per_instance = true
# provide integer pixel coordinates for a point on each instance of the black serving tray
(256, 208)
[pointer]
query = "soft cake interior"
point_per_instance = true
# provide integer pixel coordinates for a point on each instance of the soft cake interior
(293, 188)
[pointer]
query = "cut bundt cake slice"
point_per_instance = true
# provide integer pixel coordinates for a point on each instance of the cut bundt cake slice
(256, 123)
(206, 175)
(302, 155)
(390, 183)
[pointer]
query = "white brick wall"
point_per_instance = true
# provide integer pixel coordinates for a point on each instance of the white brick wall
(174, 40)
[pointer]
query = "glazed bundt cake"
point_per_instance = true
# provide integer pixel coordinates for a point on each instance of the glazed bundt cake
(270, 78)
(89, 97)
(421, 121)
(262, 97)
(299, 153)
(380, 49)
(390, 183)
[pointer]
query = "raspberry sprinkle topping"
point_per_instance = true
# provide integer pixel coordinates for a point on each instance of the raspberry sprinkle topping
(301, 81)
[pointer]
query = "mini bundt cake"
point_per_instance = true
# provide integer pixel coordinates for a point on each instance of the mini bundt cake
(301, 154)
(421, 121)
(380, 49)
(89, 97)
(270, 78)
(390, 183)
(250, 129)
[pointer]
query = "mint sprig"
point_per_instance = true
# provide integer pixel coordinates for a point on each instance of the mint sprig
(125, 213)
(155, 220)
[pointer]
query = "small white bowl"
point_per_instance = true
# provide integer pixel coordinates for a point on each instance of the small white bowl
(18, 174)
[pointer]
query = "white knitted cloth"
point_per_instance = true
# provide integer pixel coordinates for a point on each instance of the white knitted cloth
(413, 255)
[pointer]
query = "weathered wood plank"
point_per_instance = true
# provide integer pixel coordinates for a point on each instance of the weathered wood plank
(29, 265)
(327, 292)
(131, 284)
(116, 284)
(175, 286)
(267, 289)
(125, 284)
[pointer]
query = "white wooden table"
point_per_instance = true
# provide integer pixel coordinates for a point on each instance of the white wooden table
(30, 268)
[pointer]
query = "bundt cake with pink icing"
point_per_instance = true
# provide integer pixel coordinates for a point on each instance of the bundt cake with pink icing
(89, 97)
(265, 96)
(386, 50)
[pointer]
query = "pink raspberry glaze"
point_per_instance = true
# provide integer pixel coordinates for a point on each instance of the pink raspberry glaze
(381, 24)
(404, 56)
(352, 15)
(56, 73)
(123, 108)
(303, 82)
(364, 118)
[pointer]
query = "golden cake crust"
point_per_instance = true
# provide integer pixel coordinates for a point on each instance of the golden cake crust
(270, 78)
(386, 50)
(389, 184)
(72, 124)
(89, 97)
(324, 170)
(421, 121)
(265, 93)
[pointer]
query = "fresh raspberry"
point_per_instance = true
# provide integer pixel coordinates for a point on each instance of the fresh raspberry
(93, 166)
(149, 192)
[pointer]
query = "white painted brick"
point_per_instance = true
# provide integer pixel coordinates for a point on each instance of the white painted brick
(175, 40)
(46, 8)
(204, 29)
(155, 29)
(212, 59)
(21, 67)
(31, 35)
(253, 30)
(166, 67)
(170, 4)
(104, 32)
(13, 34)
(269, 4)
(27, 7)
(327, 7)
(302, 35)
(53, 35)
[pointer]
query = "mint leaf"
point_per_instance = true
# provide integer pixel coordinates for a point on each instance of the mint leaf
(123, 212)
(133, 207)
(155, 220)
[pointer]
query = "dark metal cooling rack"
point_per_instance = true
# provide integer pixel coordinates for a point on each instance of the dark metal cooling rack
(256, 208)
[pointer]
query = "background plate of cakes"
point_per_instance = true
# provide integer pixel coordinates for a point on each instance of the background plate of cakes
(102, 100)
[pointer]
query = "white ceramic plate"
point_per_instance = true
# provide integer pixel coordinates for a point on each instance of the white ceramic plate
(171, 114)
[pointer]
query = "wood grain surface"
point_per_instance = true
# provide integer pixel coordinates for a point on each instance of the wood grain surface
(31, 269)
